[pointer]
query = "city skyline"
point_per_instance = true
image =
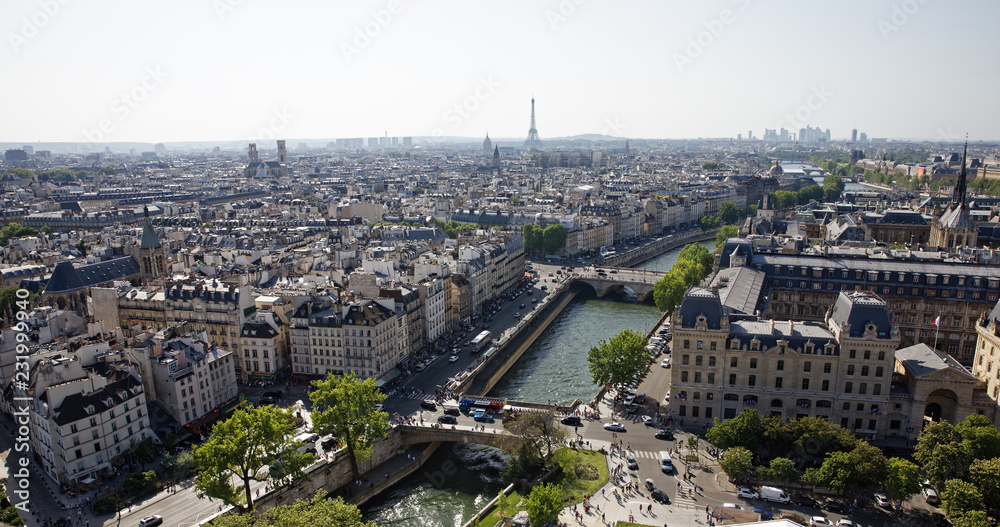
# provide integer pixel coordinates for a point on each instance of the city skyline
(233, 70)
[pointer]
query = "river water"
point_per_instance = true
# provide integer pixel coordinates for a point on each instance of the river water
(553, 369)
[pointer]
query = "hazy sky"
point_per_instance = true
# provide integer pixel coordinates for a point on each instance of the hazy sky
(241, 69)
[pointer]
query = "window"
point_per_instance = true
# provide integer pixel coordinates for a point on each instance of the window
(701, 345)
(685, 360)
(878, 371)
(697, 376)
(684, 376)
(753, 363)
(854, 354)
(805, 384)
(861, 407)
(877, 389)
(711, 362)
(687, 344)
(711, 380)
(864, 371)
(850, 369)
(683, 411)
(752, 381)
(826, 386)
(712, 345)
(732, 379)
(698, 360)
(868, 354)
(848, 387)
(894, 424)
(807, 366)
(847, 407)
(827, 368)
(732, 362)
(781, 365)
(863, 388)
(778, 381)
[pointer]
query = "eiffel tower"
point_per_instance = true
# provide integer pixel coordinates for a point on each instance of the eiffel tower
(533, 140)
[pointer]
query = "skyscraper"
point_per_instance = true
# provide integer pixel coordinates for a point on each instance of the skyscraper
(854, 135)
(533, 140)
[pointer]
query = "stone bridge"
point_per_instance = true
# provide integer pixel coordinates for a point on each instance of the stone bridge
(640, 281)
(410, 435)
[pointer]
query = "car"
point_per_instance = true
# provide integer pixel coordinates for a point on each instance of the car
(614, 427)
(452, 411)
(328, 443)
(819, 521)
(520, 306)
(806, 501)
(572, 420)
(647, 420)
(632, 408)
(930, 495)
(630, 461)
(613, 271)
(663, 433)
(545, 288)
(150, 521)
(629, 400)
(640, 398)
(882, 501)
(429, 404)
(448, 419)
(732, 506)
(764, 515)
(835, 506)
(747, 494)
(844, 522)
(550, 274)
(534, 300)
(650, 485)
(453, 358)
(484, 418)
(667, 397)
(659, 496)
(665, 363)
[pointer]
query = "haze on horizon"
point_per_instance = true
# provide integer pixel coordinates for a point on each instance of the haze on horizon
(188, 70)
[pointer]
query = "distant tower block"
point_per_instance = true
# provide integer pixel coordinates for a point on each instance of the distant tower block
(282, 153)
(854, 135)
(533, 140)
(253, 152)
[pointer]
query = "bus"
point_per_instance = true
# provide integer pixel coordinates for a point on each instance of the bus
(480, 341)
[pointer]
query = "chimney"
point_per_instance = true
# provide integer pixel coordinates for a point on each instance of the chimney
(772, 325)
(791, 327)
(715, 289)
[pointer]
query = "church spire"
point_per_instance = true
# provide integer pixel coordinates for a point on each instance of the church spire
(958, 195)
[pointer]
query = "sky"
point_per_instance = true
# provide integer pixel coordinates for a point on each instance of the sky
(214, 70)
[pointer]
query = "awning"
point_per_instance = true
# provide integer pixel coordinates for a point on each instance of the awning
(88, 480)
(388, 376)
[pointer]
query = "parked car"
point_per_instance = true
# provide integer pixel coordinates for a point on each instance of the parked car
(835, 506)
(806, 501)
(764, 515)
(819, 521)
(572, 420)
(930, 495)
(665, 363)
(732, 506)
(452, 411)
(640, 398)
(484, 418)
(844, 522)
(747, 494)
(448, 419)
(882, 501)
(632, 408)
(659, 496)
(614, 427)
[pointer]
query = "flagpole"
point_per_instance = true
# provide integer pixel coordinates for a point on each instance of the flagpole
(937, 329)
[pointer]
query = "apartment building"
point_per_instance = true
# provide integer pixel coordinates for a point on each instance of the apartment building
(192, 378)
(264, 340)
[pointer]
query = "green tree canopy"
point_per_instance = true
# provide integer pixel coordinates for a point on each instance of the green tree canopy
(347, 410)
(539, 430)
(532, 237)
(815, 438)
(242, 447)
(959, 497)
(745, 430)
(319, 511)
(15, 230)
(782, 470)
(737, 464)
(726, 232)
(668, 292)
(833, 186)
(728, 213)
(903, 480)
(554, 238)
(622, 360)
(709, 222)
(971, 519)
(835, 473)
(544, 503)
(710, 165)
(22, 173)
(985, 475)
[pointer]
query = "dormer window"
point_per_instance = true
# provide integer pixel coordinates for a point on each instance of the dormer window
(89, 409)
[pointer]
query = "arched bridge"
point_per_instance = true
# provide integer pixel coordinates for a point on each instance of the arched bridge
(410, 435)
(616, 279)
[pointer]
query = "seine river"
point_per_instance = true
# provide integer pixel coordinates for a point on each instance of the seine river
(553, 369)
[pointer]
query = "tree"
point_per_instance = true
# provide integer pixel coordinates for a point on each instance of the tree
(693, 444)
(745, 430)
(668, 292)
(833, 186)
(939, 452)
(782, 470)
(539, 430)
(697, 253)
(903, 480)
(869, 465)
(726, 232)
(737, 463)
(544, 504)
(505, 503)
(985, 475)
(348, 412)
(82, 247)
(242, 447)
(22, 173)
(554, 238)
(979, 438)
(710, 165)
(532, 237)
(835, 472)
(622, 360)
(959, 497)
(15, 230)
(45, 229)
(971, 519)
(815, 438)
(728, 213)
(709, 222)
(319, 511)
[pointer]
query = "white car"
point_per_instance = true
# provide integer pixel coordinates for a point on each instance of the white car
(819, 521)
(844, 522)
(747, 494)
(614, 427)
(882, 501)
(732, 506)
(453, 358)
(647, 420)
(665, 363)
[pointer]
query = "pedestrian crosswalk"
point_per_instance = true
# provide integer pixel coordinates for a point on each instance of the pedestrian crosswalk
(414, 396)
